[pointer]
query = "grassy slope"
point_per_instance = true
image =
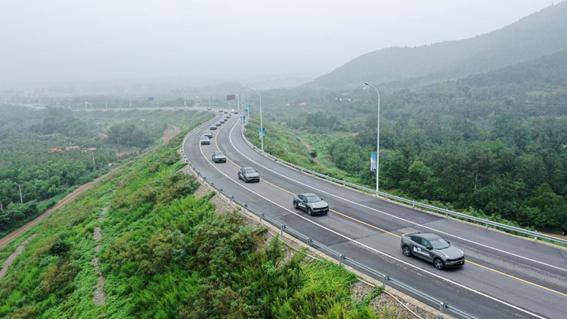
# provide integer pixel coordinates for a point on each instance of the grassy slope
(165, 254)
(290, 146)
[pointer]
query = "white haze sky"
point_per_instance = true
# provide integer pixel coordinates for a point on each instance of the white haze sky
(78, 40)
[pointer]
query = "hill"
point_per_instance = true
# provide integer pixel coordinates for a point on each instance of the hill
(143, 244)
(539, 34)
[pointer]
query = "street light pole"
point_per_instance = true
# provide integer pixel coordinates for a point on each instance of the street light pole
(261, 119)
(261, 125)
(377, 135)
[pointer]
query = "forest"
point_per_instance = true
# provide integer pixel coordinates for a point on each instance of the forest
(493, 144)
(46, 154)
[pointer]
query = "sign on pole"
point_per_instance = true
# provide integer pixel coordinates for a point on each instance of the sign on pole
(262, 132)
(373, 161)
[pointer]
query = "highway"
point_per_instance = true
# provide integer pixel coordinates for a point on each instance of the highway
(505, 276)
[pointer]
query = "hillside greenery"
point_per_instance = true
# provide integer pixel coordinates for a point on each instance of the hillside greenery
(166, 254)
(48, 153)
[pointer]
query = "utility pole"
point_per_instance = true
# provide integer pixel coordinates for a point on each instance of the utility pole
(261, 119)
(366, 84)
(238, 102)
(21, 197)
(94, 161)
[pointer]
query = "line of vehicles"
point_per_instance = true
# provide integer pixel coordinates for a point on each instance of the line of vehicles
(426, 246)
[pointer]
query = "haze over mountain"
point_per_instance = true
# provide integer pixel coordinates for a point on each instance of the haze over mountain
(534, 36)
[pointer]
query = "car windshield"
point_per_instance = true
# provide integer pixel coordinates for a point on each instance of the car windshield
(249, 171)
(219, 155)
(312, 198)
(439, 243)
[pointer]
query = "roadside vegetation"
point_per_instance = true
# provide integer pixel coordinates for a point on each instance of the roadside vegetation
(166, 254)
(47, 153)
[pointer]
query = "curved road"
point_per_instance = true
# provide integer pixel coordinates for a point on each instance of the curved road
(505, 276)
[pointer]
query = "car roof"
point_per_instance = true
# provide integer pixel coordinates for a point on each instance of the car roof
(429, 236)
(247, 167)
(308, 194)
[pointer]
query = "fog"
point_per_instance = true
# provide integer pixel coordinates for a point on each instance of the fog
(71, 40)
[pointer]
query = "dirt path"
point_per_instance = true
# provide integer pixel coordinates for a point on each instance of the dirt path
(10, 260)
(67, 199)
(170, 133)
(99, 298)
(309, 148)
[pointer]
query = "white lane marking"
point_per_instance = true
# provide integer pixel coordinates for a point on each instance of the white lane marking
(388, 214)
(371, 248)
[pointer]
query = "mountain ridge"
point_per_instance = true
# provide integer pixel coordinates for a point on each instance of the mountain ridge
(534, 36)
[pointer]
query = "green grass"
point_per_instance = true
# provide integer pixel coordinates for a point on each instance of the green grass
(289, 145)
(166, 254)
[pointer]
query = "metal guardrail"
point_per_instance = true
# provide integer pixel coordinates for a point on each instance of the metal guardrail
(440, 305)
(427, 207)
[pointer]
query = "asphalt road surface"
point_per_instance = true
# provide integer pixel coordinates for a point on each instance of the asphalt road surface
(504, 277)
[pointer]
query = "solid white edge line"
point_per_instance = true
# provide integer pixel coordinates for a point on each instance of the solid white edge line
(393, 216)
(371, 248)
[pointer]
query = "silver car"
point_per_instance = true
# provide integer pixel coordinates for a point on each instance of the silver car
(218, 157)
(432, 248)
(248, 175)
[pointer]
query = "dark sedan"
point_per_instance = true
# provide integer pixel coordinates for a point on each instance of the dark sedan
(205, 141)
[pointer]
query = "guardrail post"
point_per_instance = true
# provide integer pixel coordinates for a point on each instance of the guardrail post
(442, 307)
(385, 279)
(309, 241)
(262, 216)
(341, 258)
(282, 227)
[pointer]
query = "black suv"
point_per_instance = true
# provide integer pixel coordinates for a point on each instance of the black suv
(205, 141)
(433, 249)
(311, 204)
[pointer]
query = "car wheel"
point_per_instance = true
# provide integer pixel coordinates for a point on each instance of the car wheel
(438, 263)
(406, 251)
(295, 205)
(310, 211)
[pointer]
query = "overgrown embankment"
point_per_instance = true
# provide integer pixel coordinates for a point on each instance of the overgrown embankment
(166, 253)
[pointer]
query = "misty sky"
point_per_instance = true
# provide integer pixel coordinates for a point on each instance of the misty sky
(66, 40)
